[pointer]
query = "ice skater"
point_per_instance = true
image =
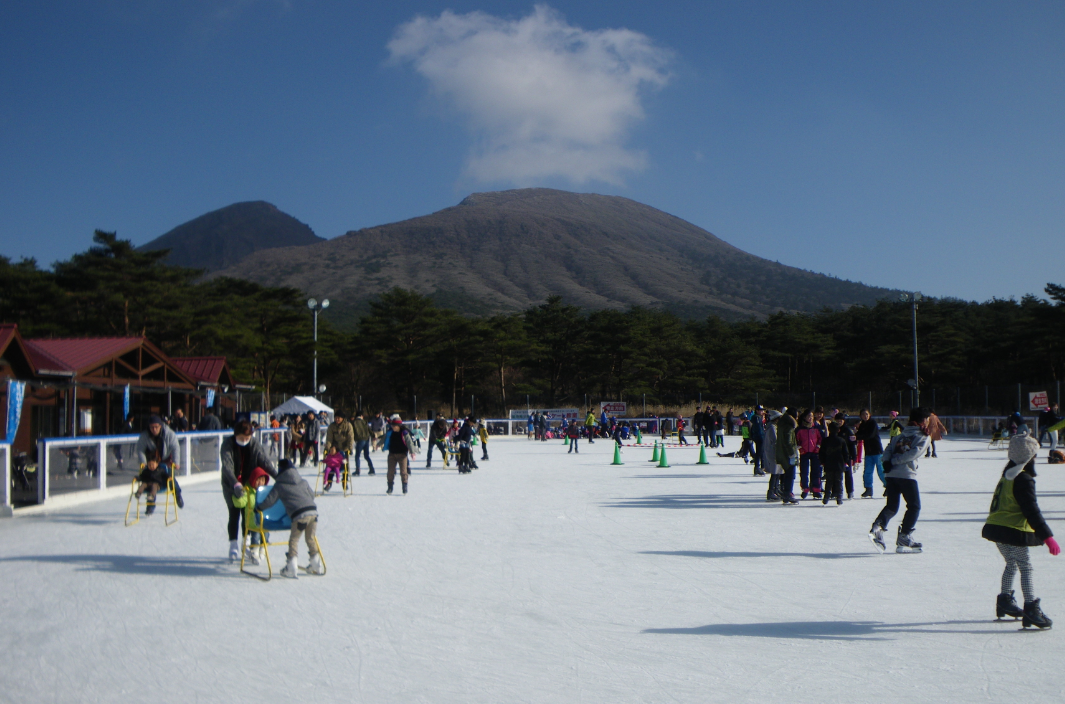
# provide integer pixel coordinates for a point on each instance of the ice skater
(297, 497)
(1014, 524)
(835, 456)
(900, 472)
(334, 463)
(573, 432)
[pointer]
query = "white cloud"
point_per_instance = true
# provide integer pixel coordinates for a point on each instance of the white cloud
(543, 98)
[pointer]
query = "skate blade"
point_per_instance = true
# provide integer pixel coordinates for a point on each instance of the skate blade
(880, 548)
(905, 550)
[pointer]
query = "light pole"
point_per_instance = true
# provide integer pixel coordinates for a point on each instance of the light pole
(316, 307)
(913, 299)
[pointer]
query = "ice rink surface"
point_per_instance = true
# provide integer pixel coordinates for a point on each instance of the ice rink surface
(542, 577)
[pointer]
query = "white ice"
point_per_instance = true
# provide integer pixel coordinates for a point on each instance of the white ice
(542, 577)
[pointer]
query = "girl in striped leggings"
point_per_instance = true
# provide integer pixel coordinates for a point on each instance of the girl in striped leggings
(1014, 524)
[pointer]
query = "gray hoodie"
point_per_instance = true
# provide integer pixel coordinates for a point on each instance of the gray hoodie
(295, 494)
(769, 445)
(903, 451)
(166, 444)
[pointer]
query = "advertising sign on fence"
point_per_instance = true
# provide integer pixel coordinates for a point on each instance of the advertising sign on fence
(1037, 401)
(551, 413)
(614, 408)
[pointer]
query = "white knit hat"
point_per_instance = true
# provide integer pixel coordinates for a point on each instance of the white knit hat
(1023, 447)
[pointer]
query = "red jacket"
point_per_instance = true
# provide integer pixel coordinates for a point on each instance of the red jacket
(809, 440)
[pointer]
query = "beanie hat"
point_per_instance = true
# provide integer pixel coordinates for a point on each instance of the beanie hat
(894, 414)
(155, 419)
(1023, 448)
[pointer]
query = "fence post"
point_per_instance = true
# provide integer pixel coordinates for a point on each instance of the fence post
(101, 465)
(1020, 406)
(870, 403)
(188, 455)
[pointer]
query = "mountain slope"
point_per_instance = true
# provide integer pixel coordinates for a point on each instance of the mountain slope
(223, 237)
(509, 250)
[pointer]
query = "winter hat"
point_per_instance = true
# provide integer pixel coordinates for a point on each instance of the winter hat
(395, 417)
(773, 415)
(155, 419)
(1023, 448)
(256, 473)
(894, 414)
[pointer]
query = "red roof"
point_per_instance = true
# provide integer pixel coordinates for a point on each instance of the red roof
(8, 332)
(73, 354)
(207, 369)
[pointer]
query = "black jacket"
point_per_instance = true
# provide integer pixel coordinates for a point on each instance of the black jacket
(835, 454)
(869, 433)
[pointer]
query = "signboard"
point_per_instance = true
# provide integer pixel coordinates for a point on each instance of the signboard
(1037, 401)
(554, 414)
(613, 408)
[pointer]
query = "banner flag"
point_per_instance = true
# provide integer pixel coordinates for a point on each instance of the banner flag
(16, 390)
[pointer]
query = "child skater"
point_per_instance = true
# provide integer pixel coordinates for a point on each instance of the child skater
(297, 496)
(1014, 524)
(835, 456)
(246, 501)
(334, 464)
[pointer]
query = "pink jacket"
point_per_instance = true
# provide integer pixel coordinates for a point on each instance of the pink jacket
(809, 440)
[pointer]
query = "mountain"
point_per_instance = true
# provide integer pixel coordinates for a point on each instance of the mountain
(508, 250)
(222, 238)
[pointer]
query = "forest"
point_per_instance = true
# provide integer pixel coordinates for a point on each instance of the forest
(408, 353)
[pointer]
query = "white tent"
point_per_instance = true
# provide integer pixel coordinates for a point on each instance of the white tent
(301, 404)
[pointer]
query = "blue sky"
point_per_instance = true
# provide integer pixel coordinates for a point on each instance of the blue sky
(914, 145)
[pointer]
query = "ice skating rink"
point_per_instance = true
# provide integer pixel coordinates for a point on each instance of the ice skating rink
(542, 577)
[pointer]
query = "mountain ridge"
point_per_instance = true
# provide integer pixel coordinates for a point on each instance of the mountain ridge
(222, 238)
(508, 250)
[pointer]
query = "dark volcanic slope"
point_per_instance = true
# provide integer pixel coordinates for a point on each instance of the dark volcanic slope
(512, 249)
(223, 237)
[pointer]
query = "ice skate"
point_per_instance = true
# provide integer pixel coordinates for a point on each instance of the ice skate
(389, 488)
(868, 493)
(290, 569)
(251, 555)
(315, 565)
(234, 550)
(404, 487)
(327, 487)
(149, 510)
(905, 543)
(876, 535)
(1007, 606)
(1034, 616)
(790, 501)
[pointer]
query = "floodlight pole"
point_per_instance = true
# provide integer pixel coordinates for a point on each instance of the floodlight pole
(916, 376)
(316, 308)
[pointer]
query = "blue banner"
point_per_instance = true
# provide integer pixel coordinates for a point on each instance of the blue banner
(125, 403)
(210, 398)
(16, 390)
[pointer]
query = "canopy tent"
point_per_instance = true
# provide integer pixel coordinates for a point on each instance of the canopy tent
(301, 404)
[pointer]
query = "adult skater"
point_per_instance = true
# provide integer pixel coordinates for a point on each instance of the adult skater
(437, 435)
(158, 452)
(340, 436)
(241, 454)
(1048, 419)
(399, 445)
(360, 431)
(1014, 524)
(757, 433)
(868, 433)
(769, 456)
(809, 438)
(900, 473)
(787, 455)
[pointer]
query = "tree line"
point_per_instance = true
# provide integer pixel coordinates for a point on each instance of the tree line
(407, 347)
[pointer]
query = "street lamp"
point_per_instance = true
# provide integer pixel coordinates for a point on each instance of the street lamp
(316, 307)
(915, 383)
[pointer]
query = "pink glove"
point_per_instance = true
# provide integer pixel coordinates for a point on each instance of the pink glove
(1052, 546)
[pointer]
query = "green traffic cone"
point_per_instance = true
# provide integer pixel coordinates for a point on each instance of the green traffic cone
(702, 454)
(639, 437)
(654, 455)
(662, 462)
(565, 441)
(617, 455)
